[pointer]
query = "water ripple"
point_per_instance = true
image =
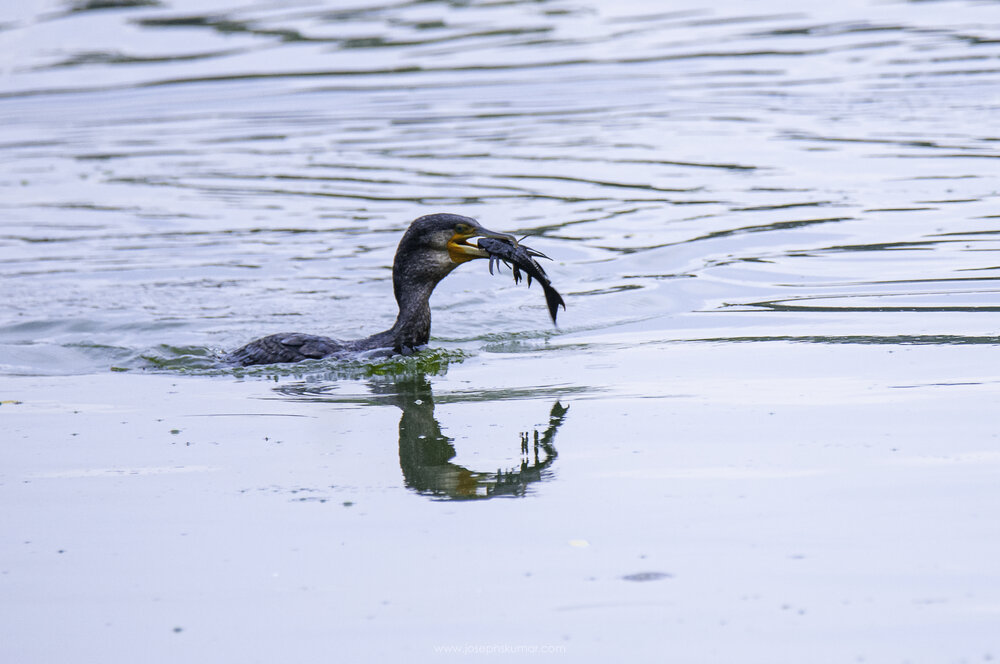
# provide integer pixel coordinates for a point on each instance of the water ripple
(205, 174)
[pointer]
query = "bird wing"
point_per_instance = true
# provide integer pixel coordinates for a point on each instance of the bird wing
(287, 347)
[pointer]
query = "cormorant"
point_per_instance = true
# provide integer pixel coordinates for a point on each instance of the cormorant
(431, 248)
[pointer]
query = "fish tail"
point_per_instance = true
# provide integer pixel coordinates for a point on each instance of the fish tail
(554, 300)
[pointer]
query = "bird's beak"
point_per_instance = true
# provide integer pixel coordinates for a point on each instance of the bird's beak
(461, 251)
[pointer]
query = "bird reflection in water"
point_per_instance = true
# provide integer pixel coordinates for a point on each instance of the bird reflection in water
(425, 454)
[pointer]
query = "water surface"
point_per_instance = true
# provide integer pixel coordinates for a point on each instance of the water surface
(767, 409)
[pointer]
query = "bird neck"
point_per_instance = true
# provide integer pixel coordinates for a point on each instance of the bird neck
(413, 324)
(415, 273)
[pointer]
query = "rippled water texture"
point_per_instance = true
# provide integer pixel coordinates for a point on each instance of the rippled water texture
(776, 228)
(198, 173)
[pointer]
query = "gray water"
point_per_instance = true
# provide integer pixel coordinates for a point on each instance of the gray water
(764, 429)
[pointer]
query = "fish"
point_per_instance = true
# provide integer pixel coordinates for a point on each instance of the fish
(520, 257)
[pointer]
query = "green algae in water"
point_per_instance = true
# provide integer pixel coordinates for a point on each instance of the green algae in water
(182, 359)
(198, 360)
(432, 361)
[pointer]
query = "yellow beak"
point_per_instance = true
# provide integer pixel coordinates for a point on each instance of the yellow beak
(461, 251)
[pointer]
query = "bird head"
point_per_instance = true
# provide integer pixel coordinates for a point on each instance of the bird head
(449, 234)
(436, 244)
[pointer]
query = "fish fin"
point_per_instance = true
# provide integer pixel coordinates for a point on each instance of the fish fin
(554, 300)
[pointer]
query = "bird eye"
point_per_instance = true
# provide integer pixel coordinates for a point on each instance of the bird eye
(463, 228)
